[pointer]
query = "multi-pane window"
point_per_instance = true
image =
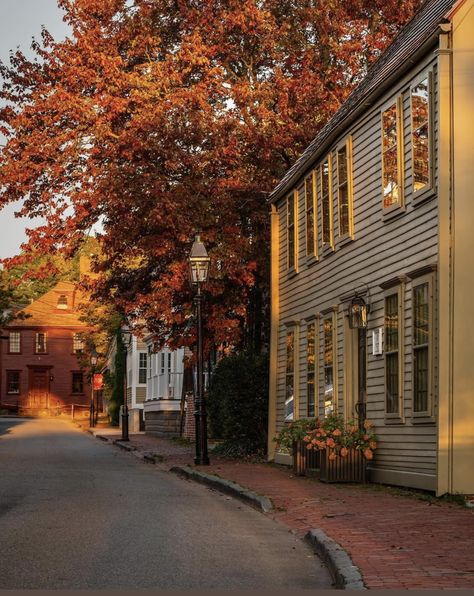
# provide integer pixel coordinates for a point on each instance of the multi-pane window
(290, 375)
(162, 363)
(329, 398)
(169, 364)
(311, 369)
(77, 343)
(392, 156)
(291, 217)
(142, 367)
(14, 342)
(13, 381)
(344, 190)
(420, 134)
(421, 347)
(392, 354)
(40, 343)
(326, 202)
(310, 203)
(77, 382)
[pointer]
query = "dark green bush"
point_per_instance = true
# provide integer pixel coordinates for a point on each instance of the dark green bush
(238, 404)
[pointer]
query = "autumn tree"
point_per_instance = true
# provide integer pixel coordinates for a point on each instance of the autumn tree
(156, 118)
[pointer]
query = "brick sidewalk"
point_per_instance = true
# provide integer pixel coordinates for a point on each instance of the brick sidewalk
(397, 541)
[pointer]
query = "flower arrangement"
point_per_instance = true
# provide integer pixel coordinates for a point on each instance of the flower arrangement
(332, 434)
(338, 437)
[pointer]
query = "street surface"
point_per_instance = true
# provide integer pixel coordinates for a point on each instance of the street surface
(76, 513)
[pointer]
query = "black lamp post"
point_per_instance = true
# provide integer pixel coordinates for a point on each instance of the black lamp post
(125, 339)
(199, 269)
(93, 361)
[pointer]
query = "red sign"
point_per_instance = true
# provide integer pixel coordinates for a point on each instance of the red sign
(98, 382)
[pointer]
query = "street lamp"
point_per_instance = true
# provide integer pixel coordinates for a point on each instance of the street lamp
(93, 361)
(199, 269)
(125, 334)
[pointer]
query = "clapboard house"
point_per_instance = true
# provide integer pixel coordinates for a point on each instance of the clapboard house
(375, 221)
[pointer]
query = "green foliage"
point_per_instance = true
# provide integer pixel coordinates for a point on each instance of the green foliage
(117, 382)
(295, 431)
(238, 403)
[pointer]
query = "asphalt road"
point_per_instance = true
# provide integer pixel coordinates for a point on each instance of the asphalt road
(76, 513)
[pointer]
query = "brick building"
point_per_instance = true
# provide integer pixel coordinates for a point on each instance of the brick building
(39, 363)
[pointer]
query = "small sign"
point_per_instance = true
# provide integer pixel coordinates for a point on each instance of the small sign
(377, 348)
(98, 382)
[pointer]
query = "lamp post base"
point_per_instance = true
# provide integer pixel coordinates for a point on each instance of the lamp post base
(125, 425)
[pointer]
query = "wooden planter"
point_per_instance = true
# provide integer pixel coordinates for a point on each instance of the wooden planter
(351, 468)
(304, 459)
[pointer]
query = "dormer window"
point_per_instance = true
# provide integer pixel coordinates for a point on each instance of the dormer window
(62, 302)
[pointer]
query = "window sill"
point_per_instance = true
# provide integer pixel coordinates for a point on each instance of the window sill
(422, 418)
(328, 250)
(422, 196)
(345, 240)
(393, 419)
(291, 273)
(393, 212)
(311, 260)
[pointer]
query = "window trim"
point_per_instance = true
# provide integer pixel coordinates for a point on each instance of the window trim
(347, 145)
(76, 340)
(10, 333)
(314, 322)
(331, 315)
(327, 246)
(398, 289)
(312, 177)
(7, 390)
(44, 333)
(418, 280)
(292, 196)
(419, 195)
(400, 206)
(141, 368)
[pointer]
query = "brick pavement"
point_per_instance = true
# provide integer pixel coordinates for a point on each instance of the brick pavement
(398, 541)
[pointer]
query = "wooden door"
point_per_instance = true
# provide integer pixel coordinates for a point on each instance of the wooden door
(38, 395)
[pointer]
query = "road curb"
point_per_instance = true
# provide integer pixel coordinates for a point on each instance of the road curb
(124, 445)
(226, 486)
(346, 575)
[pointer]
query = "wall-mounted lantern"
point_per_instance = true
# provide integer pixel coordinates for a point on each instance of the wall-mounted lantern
(357, 312)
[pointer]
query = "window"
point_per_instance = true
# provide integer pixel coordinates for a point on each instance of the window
(392, 168)
(14, 342)
(142, 367)
(162, 363)
(311, 368)
(40, 343)
(150, 355)
(421, 135)
(62, 302)
(421, 347)
(13, 382)
(392, 353)
(290, 375)
(326, 202)
(291, 218)
(77, 382)
(77, 343)
(310, 206)
(329, 394)
(344, 189)
(169, 364)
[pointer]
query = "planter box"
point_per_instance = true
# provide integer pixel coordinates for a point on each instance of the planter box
(304, 459)
(351, 468)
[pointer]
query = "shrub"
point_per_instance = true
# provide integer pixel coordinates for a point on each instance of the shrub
(238, 404)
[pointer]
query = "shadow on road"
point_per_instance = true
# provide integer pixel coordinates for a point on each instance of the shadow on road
(7, 423)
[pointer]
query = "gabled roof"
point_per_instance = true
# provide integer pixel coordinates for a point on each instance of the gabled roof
(415, 38)
(44, 311)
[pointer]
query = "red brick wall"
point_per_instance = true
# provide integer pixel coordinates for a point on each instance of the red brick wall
(189, 430)
(59, 363)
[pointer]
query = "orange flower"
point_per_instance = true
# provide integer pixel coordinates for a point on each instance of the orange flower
(309, 446)
(332, 456)
(323, 432)
(366, 437)
(344, 451)
(353, 429)
(336, 432)
(373, 445)
(330, 442)
(368, 454)
(367, 424)
(314, 441)
(306, 439)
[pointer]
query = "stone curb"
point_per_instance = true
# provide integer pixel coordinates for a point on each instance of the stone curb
(226, 486)
(124, 445)
(346, 575)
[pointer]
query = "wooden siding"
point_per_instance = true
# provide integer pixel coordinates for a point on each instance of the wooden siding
(384, 247)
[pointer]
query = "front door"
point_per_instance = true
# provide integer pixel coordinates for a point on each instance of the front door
(361, 405)
(38, 395)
